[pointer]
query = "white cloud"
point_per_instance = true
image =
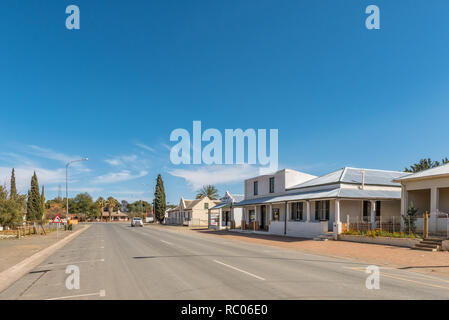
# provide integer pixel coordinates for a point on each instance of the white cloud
(128, 162)
(50, 154)
(113, 162)
(123, 175)
(23, 176)
(218, 174)
(144, 146)
(76, 189)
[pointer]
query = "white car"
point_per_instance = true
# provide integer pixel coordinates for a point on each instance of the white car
(136, 222)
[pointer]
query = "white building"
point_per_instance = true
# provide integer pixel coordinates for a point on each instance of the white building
(227, 217)
(311, 206)
(428, 191)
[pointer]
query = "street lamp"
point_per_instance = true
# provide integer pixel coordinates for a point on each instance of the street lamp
(67, 183)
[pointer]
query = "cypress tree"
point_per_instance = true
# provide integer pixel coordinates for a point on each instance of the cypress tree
(42, 203)
(159, 199)
(34, 204)
(13, 190)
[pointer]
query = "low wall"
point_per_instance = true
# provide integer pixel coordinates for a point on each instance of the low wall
(436, 225)
(298, 228)
(398, 242)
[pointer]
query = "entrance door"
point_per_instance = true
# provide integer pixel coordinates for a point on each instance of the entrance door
(226, 218)
(263, 213)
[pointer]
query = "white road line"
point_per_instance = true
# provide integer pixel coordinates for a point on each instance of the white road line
(67, 263)
(166, 242)
(243, 271)
(101, 293)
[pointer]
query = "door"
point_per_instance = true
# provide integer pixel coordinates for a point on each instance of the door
(263, 213)
(226, 219)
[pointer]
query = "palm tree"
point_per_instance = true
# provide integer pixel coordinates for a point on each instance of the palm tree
(112, 203)
(208, 191)
(425, 164)
(100, 204)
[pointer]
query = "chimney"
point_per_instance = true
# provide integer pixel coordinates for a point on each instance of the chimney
(363, 179)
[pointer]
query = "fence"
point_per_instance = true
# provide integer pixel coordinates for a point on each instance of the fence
(187, 222)
(438, 225)
(365, 224)
(23, 230)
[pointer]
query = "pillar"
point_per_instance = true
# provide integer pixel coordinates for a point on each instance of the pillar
(373, 214)
(337, 222)
(308, 210)
(220, 218)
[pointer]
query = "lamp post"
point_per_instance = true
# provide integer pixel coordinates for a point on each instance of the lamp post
(67, 183)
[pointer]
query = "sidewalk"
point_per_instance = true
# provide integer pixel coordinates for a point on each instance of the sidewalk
(404, 258)
(12, 251)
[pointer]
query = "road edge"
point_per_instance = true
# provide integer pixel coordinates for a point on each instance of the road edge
(14, 273)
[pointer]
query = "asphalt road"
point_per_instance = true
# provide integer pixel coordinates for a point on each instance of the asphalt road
(119, 262)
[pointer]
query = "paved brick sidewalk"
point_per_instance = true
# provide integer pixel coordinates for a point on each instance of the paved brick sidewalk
(404, 258)
(12, 251)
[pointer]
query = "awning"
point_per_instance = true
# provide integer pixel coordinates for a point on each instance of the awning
(222, 205)
(345, 193)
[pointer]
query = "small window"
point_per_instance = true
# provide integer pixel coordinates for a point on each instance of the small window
(272, 185)
(206, 205)
(297, 211)
(256, 188)
(276, 214)
(366, 209)
(252, 215)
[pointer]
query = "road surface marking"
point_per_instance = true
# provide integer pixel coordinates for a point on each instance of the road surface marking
(419, 282)
(101, 293)
(166, 242)
(66, 263)
(408, 273)
(243, 271)
(409, 280)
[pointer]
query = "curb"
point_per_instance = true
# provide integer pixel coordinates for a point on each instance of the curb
(14, 273)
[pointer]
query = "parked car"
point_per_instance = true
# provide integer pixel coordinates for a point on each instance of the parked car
(136, 222)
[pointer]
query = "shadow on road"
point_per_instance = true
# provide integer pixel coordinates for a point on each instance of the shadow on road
(254, 236)
(250, 257)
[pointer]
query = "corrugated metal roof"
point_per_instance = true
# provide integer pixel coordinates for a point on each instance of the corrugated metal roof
(437, 171)
(349, 193)
(223, 204)
(353, 176)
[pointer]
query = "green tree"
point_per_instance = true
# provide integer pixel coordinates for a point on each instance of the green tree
(159, 204)
(10, 208)
(13, 189)
(43, 202)
(410, 219)
(34, 205)
(100, 203)
(425, 164)
(83, 204)
(208, 191)
(112, 204)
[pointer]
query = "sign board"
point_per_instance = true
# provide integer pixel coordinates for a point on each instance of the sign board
(57, 219)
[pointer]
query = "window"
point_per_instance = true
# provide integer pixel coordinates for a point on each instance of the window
(367, 209)
(297, 211)
(251, 215)
(377, 208)
(276, 214)
(322, 210)
(272, 185)
(206, 205)
(256, 188)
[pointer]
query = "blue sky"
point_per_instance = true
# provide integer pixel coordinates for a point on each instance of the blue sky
(339, 94)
